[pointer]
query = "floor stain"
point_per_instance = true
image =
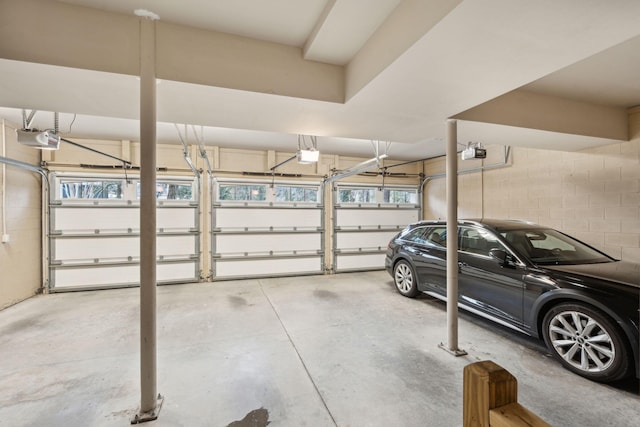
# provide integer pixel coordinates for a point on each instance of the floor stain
(20, 326)
(322, 293)
(236, 301)
(255, 418)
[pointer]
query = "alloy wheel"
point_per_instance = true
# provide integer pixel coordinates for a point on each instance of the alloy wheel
(404, 278)
(581, 341)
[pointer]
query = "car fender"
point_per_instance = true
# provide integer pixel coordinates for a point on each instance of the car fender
(557, 296)
(401, 256)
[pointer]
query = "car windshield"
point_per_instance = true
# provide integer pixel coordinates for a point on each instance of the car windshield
(550, 247)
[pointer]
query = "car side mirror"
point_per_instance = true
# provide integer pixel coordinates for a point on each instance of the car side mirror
(500, 255)
(504, 258)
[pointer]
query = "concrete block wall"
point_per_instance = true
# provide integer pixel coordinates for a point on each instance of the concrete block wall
(592, 194)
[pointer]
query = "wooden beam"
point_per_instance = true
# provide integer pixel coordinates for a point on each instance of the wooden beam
(491, 398)
(515, 415)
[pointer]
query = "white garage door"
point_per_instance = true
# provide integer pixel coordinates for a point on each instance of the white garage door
(365, 219)
(263, 229)
(94, 238)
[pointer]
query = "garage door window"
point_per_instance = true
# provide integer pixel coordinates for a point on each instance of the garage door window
(243, 192)
(172, 190)
(286, 193)
(399, 196)
(357, 195)
(90, 189)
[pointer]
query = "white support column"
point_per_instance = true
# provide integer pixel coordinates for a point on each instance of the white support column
(452, 240)
(150, 400)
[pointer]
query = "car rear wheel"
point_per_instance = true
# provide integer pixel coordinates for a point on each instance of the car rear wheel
(586, 342)
(405, 279)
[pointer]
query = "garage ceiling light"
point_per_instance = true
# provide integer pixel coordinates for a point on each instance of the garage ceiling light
(144, 13)
(307, 152)
(308, 156)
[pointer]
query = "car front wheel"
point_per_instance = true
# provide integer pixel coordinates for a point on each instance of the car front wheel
(586, 342)
(405, 279)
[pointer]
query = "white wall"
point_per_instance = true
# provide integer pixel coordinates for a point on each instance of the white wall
(20, 258)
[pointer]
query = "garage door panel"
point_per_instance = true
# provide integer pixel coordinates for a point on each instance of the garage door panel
(95, 225)
(267, 267)
(178, 271)
(75, 218)
(119, 275)
(252, 218)
(362, 230)
(118, 247)
(176, 218)
(364, 239)
(92, 248)
(109, 218)
(96, 276)
(360, 262)
(176, 245)
(238, 243)
(372, 217)
(280, 232)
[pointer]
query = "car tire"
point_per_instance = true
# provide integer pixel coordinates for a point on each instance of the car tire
(405, 279)
(586, 342)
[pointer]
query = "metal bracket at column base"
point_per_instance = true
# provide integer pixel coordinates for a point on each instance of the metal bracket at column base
(143, 417)
(456, 352)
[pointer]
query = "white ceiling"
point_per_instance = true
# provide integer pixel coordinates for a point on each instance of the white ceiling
(407, 65)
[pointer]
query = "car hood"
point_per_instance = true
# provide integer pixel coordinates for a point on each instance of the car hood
(627, 273)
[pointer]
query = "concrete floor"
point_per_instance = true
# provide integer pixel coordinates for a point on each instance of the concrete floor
(341, 350)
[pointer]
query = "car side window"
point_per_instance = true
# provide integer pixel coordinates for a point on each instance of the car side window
(417, 235)
(478, 241)
(437, 236)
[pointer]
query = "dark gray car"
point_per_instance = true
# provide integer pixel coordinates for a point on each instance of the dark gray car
(544, 283)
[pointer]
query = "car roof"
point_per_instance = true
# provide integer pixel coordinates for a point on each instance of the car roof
(496, 224)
